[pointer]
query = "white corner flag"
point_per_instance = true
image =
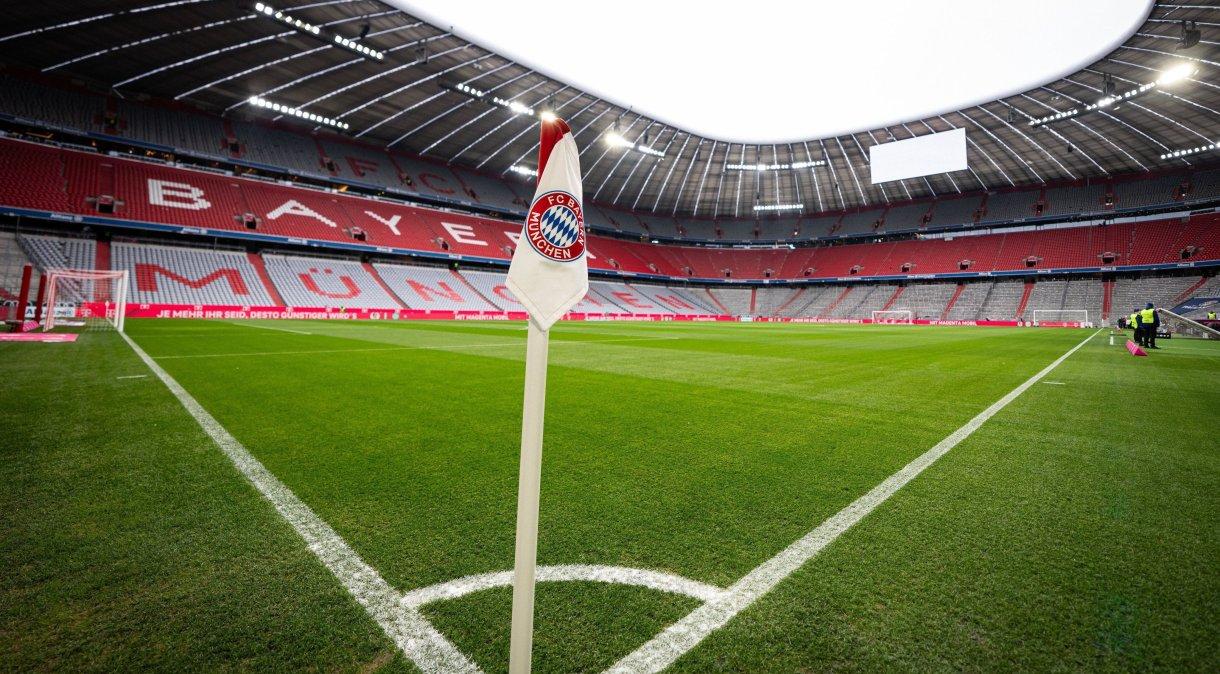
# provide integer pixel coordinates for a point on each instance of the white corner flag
(549, 274)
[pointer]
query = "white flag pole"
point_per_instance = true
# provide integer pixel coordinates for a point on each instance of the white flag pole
(522, 639)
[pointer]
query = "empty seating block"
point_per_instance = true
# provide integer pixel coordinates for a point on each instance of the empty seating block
(187, 132)
(672, 300)
(735, 300)
(432, 288)
(179, 275)
(954, 212)
(1009, 206)
(319, 282)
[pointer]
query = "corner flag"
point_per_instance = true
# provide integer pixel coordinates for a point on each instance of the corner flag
(549, 274)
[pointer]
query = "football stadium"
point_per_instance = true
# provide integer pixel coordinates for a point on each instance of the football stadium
(425, 336)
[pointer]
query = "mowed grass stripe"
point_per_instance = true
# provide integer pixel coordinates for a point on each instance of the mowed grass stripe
(660, 454)
(705, 481)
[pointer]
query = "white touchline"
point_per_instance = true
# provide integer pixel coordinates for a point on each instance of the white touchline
(409, 630)
(665, 648)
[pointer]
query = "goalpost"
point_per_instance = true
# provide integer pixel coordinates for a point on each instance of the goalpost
(903, 316)
(85, 298)
(1074, 318)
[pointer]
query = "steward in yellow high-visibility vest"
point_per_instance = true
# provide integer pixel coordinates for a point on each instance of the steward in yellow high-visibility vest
(1150, 322)
(1133, 322)
(1211, 315)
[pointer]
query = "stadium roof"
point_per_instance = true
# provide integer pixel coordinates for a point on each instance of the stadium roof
(216, 54)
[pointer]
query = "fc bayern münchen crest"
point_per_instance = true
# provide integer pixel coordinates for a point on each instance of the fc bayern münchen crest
(555, 227)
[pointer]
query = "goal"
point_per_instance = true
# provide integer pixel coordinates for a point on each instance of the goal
(85, 298)
(1063, 318)
(1181, 326)
(894, 316)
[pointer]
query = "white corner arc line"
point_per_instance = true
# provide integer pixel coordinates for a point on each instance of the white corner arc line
(405, 626)
(665, 648)
(621, 575)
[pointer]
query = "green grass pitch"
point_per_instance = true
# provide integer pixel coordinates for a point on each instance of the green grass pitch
(1078, 529)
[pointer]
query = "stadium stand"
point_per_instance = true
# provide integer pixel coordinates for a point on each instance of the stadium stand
(906, 217)
(956, 212)
(735, 300)
(320, 282)
(1155, 191)
(272, 147)
(671, 300)
(925, 300)
(193, 133)
(1075, 200)
(491, 285)
(814, 301)
(156, 193)
(432, 288)
(1001, 206)
(1163, 291)
(183, 131)
(629, 299)
(180, 275)
(51, 252)
(12, 261)
(1001, 302)
(768, 301)
(44, 105)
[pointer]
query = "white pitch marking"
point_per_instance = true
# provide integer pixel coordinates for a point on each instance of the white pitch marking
(653, 580)
(665, 648)
(409, 348)
(409, 630)
(268, 327)
(132, 376)
(1055, 383)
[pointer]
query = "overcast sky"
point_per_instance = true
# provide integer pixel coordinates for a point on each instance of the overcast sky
(789, 70)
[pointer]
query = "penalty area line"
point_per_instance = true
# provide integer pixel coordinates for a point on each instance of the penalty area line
(679, 638)
(404, 625)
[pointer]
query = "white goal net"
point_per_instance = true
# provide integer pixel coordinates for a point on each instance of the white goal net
(894, 316)
(1076, 318)
(1181, 326)
(85, 298)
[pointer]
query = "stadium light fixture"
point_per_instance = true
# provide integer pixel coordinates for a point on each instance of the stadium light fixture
(523, 170)
(480, 95)
(363, 50)
(1169, 76)
(548, 116)
(260, 102)
(310, 29)
(779, 207)
(774, 167)
(1176, 73)
(287, 19)
(1189, 151)
(615, 139)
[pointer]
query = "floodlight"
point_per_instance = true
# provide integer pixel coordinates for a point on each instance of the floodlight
(1176, 73)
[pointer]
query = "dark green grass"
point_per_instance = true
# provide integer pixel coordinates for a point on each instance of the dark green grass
(1049, 539)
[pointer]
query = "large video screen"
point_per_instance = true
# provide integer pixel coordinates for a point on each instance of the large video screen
(920, 156)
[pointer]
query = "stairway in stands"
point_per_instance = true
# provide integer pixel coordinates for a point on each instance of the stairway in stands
(256, 261)
(957, 292)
